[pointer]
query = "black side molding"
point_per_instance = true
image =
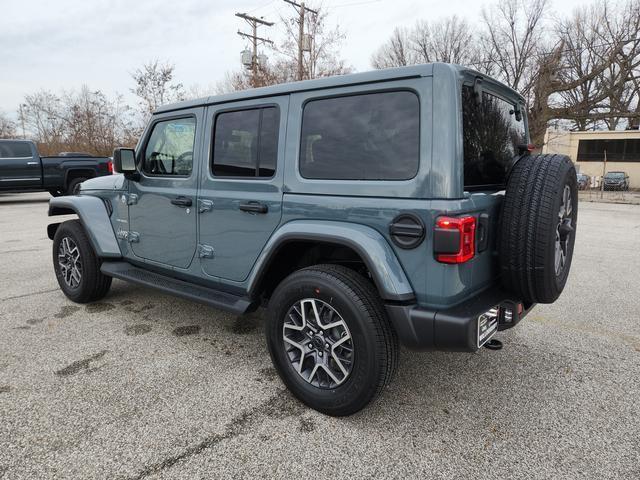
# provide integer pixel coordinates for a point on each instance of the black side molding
(208, 296)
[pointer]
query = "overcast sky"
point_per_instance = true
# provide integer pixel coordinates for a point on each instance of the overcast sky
(64, 44)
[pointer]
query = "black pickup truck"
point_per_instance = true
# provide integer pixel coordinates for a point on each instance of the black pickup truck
(22, 169)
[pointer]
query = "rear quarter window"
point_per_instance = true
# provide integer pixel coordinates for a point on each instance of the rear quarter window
(373, 136)
(491, 135)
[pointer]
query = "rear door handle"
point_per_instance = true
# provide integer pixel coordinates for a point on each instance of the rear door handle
(32, 163)
(254, 207)
(182, 202)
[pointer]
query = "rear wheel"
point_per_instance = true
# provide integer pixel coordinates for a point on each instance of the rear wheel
(330, 340)
(73, 188)
(539, 218)
(76, 265)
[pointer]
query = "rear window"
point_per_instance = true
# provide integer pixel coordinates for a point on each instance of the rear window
(15, 150)
(372, 136)
(246, 143)
(491, 135)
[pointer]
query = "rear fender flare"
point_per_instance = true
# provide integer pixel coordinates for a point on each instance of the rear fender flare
(94, 217)
(369, 244)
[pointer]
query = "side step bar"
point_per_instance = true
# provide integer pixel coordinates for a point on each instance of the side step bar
(208, 296)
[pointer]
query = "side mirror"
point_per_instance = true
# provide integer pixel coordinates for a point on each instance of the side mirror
(124, 160)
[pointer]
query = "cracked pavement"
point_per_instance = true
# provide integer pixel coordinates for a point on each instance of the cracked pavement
(143, 385)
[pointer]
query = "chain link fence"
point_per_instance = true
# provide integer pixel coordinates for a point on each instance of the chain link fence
(598, 194)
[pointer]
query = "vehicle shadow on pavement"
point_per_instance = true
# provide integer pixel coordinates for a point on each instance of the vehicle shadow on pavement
(430, 385)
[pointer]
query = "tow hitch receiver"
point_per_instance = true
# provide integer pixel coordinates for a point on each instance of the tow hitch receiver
(499, 317)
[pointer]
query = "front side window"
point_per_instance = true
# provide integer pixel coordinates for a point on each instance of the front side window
(373, 136)
(491, 135)
(170, 147)
(246, 143)
(15, 150)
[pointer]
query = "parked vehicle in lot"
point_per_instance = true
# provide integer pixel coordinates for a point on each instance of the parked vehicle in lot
(23, 170)
(365, 211)
(616, 181)
(584, 181)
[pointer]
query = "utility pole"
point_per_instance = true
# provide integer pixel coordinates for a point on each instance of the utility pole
(22, 105)
(301, 9)
(255, 40)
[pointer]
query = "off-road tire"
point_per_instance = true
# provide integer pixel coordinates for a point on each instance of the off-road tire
(529, 223)
(375, 343)
(73, 186)
(93, 284)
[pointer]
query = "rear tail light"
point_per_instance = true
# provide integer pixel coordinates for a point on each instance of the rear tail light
(110, 167)
(454, 239)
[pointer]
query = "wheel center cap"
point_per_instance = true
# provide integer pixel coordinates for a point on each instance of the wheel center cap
(318, 342)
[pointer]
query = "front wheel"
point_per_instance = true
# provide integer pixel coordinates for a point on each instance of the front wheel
(76, 265)
(330, 339)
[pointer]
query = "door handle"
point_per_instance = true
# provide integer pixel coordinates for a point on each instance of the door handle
(254, 207)
(182, 201)
(32, 163)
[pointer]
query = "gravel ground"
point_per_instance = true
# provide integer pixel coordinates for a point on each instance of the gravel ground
(144, 385)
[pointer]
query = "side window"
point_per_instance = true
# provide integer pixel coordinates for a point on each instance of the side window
(373, 136)
(170, 146)
(15, 150)
(245, 143)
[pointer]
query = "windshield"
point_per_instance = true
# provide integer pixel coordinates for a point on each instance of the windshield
(614, 175)
(491, 136)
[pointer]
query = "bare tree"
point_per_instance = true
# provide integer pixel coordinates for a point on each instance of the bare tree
(43, 116)
(7, 126)
(450, 40)
(398, 51)
(322, 59)
(601, 35)
(155, 86)
(583, 69)
(581, 36)
(514, 34)
(95, 123)
(85, 121)
(609, 85)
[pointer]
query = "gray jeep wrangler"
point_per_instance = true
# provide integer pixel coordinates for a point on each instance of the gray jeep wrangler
(366, 211)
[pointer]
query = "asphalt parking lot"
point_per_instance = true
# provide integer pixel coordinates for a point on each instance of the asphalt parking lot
(144, 385)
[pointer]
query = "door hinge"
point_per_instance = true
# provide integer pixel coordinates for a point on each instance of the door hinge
(131, 237)
(205, 251)
(205, 206)
(129, 198)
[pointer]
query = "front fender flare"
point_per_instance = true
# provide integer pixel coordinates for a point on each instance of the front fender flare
(93, 215)
(372, 247)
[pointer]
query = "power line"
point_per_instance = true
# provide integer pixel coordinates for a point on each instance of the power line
(354, 4)
(261, 6)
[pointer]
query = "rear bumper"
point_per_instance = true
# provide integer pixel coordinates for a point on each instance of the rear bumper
(456, 328)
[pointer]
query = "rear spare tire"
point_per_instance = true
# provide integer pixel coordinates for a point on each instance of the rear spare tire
(538, 227)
